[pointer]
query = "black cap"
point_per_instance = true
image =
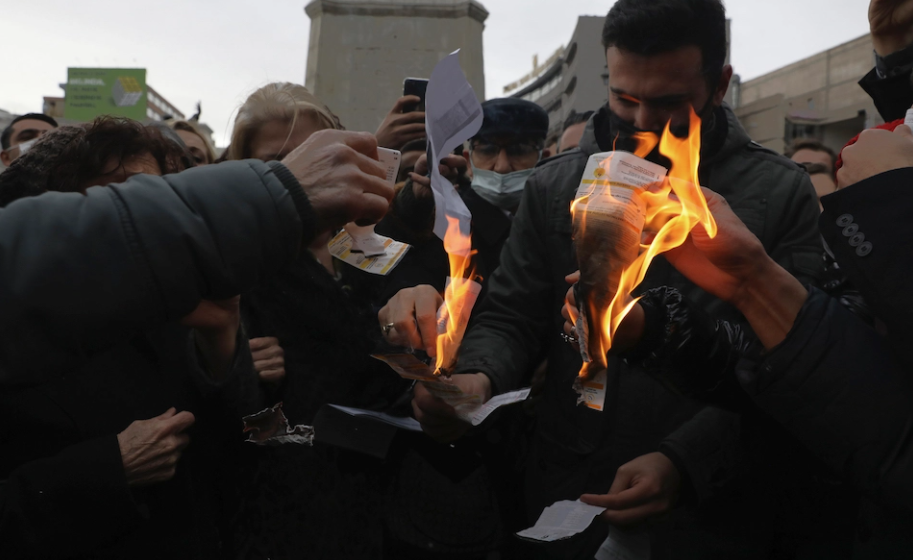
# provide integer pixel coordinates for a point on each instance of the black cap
(509, 116)
(8, 131)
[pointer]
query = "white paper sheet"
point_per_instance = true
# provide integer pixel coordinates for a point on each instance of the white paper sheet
(479, 415)
(410, 424)
(342, 245)
(452, 116)
(562, 520)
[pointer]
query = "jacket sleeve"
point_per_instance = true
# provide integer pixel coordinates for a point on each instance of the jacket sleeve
(79, 273)
(835, 384)
(505, 336)
(47, 506)
(865, 226)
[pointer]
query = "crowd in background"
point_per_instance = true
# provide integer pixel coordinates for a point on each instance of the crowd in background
(153, 293)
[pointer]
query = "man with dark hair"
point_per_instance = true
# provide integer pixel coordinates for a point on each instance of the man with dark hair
(809, 150)
(22, 133)
(574, 125)
(649, 450)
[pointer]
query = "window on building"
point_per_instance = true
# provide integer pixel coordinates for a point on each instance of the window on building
(571, 54)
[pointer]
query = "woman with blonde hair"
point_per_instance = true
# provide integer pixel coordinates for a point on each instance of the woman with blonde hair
(198, 145)
(312, 331)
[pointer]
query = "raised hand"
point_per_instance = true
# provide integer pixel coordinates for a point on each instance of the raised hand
(410, 318)
(400, 128)
(342, 177)
(439, 419)
(891, 24)
(645, 487)
(269, 359)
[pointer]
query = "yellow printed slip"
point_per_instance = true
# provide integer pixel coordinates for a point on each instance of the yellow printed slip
(341, 247)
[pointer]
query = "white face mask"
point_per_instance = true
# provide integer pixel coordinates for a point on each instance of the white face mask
(503, 191)
(23, 146)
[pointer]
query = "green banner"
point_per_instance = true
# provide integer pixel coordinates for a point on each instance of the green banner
(92, 92)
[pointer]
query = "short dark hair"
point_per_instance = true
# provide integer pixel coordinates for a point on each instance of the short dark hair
(67, 159)
(813, 145)
(650, 27)
(576, 118)
(8, 131)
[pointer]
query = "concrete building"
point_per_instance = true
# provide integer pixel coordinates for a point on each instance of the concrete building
(360, 51)
(817, 97)
(574, 78)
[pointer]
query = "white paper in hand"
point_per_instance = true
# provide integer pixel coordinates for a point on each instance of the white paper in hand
(562, 520)
(452, 116)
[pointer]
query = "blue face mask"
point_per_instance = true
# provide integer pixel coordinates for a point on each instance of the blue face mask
(503, 191)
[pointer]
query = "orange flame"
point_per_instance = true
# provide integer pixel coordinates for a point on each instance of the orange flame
(459, 296)
(673, 209)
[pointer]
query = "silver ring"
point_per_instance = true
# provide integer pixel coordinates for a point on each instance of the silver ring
(386, 328)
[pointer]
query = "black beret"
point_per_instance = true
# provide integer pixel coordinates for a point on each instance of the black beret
(510, 116)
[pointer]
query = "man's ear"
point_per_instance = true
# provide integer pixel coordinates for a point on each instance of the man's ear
(723, 86)
(5, 158)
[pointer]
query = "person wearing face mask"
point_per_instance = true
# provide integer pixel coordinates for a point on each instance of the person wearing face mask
(457, 502)
(21, 134)
(500, 158)
(703, 482)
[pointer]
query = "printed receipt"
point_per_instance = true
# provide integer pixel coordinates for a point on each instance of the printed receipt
(360, 246)
(608, 194)
(562, 520)
(342, 245)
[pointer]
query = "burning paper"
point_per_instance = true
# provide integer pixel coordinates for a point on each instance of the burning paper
(271, 427)
(620, 196)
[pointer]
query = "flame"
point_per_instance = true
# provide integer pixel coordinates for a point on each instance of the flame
(459, 296)
(673, 209)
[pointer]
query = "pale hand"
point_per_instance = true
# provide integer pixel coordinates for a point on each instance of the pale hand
(400, 128)
(439, 419)
(342, 177)
(269, 359)
(723, 264)
(150, 449)
(413, 314)
(452, 167)
(875, 152)
(645, 487)
(891, 24)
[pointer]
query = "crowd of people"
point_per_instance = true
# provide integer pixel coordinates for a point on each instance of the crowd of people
(758, 402)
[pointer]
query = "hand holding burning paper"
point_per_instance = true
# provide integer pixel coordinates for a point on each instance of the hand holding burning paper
(620, 197)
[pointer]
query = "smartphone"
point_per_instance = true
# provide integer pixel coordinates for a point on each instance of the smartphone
(417, 87)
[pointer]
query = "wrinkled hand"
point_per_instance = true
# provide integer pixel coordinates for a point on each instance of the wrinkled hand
(400, 128)
(269, 359)
(876, 152)
(413, 313)
(452, 167)
(439, 419)
(342, 177)
(643, 488)
(891, 24)
(150, 449)
(724, 264)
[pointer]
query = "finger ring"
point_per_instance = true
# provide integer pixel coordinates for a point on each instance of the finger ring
(569, 339)
(386, 328)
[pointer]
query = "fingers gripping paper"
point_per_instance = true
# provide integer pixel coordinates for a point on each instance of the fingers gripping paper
(453, 115)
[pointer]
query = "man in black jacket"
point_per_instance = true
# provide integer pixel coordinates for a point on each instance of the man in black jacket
(141, 255)
(653, 449)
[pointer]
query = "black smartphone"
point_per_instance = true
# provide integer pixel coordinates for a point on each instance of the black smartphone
(417, 87)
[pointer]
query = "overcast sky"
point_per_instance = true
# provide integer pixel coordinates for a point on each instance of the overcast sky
(218, 51)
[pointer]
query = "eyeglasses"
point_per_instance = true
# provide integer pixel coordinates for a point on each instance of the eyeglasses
(520, 156)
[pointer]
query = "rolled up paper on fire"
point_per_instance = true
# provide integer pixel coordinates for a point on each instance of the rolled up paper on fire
(609, 212)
